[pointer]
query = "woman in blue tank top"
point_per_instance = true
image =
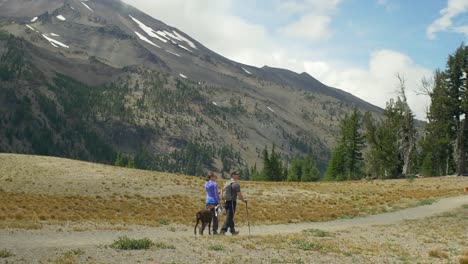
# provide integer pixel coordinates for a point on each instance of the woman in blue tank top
(212, 198)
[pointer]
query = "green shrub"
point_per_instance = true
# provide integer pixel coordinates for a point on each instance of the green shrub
(126, 243)
(425, 202)
(216, 247)
(162, 245)
(317, 233)
(164, 222)
(306, 245)
(5, 253)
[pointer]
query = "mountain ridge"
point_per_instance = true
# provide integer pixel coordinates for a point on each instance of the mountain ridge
(149, 89)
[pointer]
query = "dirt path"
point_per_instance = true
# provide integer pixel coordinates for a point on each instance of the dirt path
(63, 237)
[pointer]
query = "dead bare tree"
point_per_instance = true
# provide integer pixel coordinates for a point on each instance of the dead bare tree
(406, 132)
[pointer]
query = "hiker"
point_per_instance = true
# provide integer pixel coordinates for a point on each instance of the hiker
(231, 192)
(212, 198)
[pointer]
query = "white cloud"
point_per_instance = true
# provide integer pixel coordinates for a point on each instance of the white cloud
(462, 29)
(444, 23)
(213, 23)
(309, 27)
(388, 4)
(314, 18)
(378, 83)
(308, 6)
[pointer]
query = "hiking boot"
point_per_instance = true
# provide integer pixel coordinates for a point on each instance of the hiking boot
(215, 233)
(235, 233)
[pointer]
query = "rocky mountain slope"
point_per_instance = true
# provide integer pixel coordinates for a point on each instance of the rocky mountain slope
(92, 79)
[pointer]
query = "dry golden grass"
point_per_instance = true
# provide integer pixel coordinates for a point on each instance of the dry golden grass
(44, 189)
(463, 259)
(438, 253)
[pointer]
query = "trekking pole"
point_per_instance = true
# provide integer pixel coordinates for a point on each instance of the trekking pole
(248, 222)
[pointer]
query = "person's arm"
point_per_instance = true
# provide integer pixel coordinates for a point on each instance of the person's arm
(216, 192)
(241, 197)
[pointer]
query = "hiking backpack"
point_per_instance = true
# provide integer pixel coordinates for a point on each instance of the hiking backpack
(227, 191)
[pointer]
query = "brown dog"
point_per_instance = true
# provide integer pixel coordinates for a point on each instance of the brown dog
(205, 217)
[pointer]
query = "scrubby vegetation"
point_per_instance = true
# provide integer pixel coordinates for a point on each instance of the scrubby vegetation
(125, 243)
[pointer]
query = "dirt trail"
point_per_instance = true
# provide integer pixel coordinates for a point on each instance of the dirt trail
(49, 237)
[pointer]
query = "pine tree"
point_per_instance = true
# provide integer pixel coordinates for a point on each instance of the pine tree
(119, 161)
(254, 175)
(436, 145)
(347, 161)
(457, 71)
(245, 174)
(448, 125)
(310, 171)
(275, 167)
(131, 163)
(295, 171)
(336, 166)
(372, 158)
(266, 171)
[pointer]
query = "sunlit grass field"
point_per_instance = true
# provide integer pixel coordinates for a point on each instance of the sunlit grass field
(41, 190)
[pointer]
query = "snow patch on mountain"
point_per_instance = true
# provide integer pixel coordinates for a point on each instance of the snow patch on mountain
(214, 103)
(162, 34)
(185, 48)
(54, 35)
(172, 35)
(182, 38)
(54, 42)
(33, 29)
(61, 17)
(183, 76)
(34, 19)
(88, 7)
(246, 71)
(173, 53)
(148, 30)
(145, 39)
(269, 108)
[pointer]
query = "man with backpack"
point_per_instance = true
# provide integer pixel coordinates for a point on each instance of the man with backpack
(231, 192)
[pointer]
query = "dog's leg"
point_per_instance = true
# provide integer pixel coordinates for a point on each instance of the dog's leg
(203, 227)
(209, 228)
(195, 228)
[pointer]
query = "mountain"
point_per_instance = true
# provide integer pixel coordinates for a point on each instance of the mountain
(99, 80)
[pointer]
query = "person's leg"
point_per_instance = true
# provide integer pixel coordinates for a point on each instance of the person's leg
(215, 218)
(215, 222)
(229, 217)
(232, 226)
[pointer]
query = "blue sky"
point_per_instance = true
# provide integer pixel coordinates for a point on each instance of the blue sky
(354, 45)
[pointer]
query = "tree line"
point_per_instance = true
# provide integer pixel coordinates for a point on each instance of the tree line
(391, 147)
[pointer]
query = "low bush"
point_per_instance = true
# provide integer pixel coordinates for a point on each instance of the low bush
(317, 233)
(125, 243)
(5, 253)
(306, 245)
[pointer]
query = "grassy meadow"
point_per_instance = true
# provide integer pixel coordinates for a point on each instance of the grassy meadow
(35, 190)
